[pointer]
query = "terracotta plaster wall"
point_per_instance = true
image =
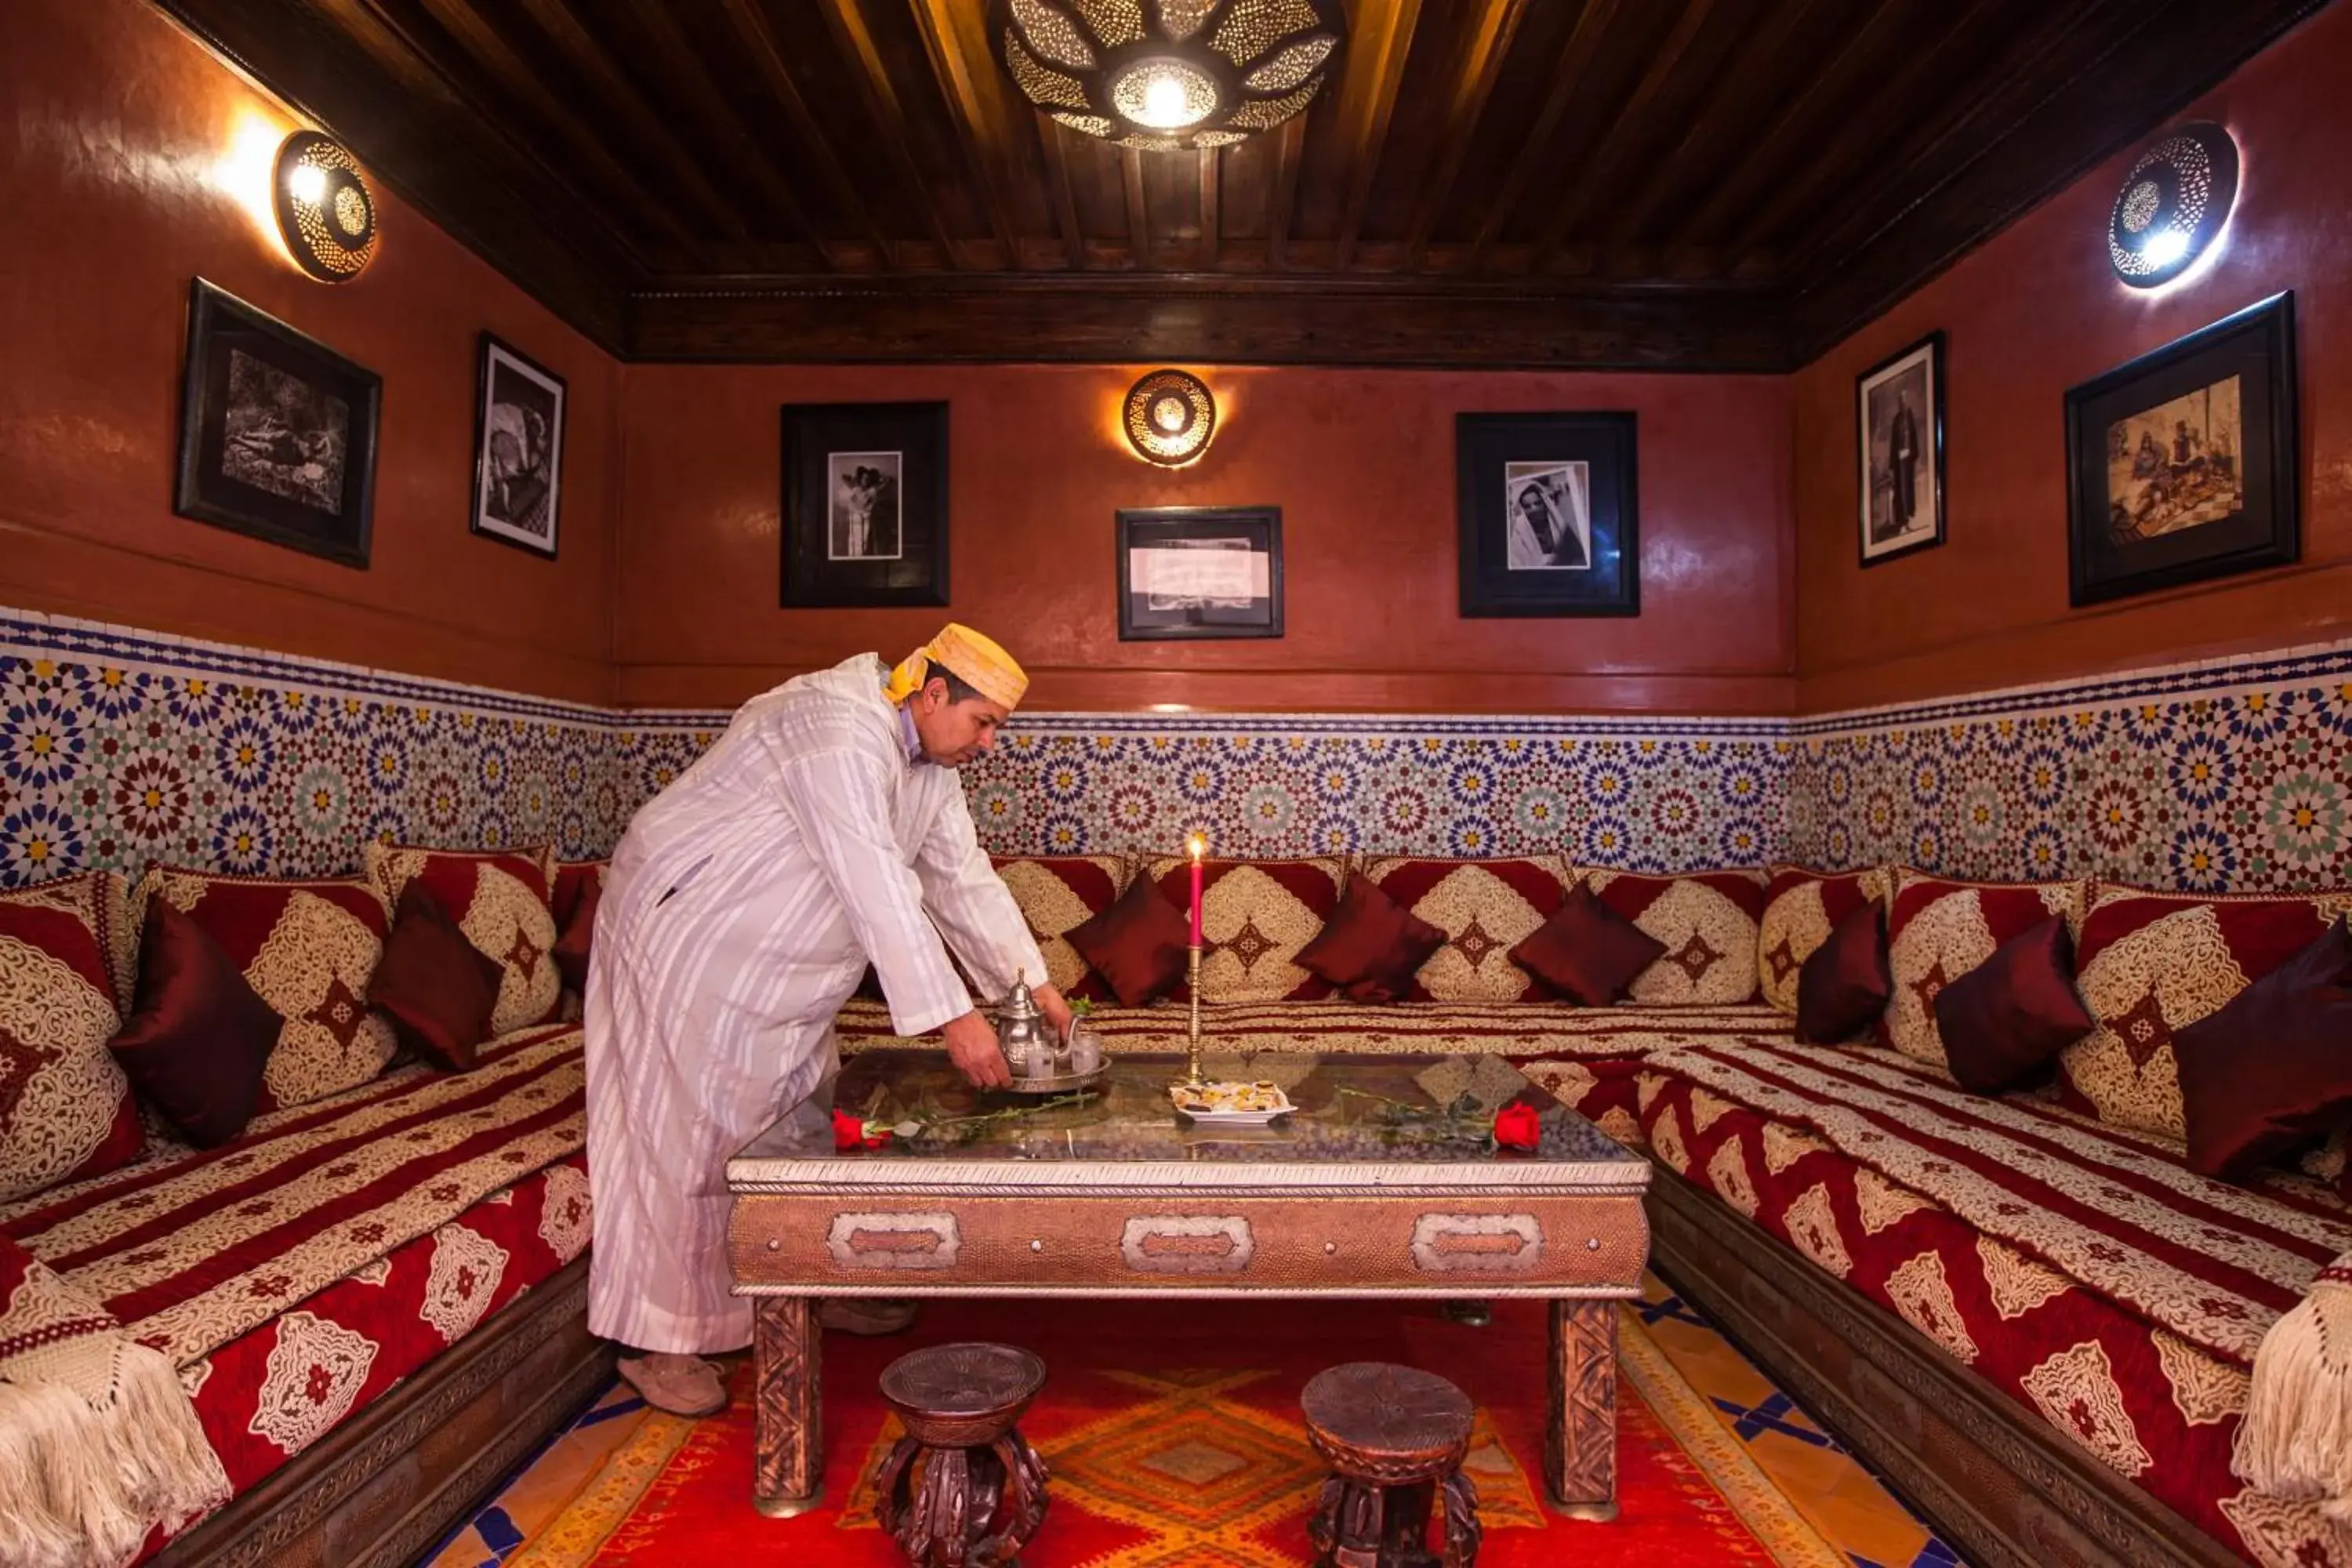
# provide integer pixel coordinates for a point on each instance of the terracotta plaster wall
(2034, 312)
(1362, 466)
(116, 133)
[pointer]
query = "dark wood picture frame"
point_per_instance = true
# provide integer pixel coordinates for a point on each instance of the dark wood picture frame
(278, 432)
(1144, 617)
(1549, 513)
(1895, 372)
(534, 392)
(864, 505)
(2243, 459)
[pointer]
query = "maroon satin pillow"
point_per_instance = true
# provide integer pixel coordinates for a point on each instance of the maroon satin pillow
(570, 948)
(2272, 1067)
(1843, 984)
(437, 988)
(1137, 945)
(1372, 946)
(2011, 1014)
(1587, 952)
(199, 1036)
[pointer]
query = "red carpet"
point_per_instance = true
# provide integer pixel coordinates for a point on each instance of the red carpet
(1173, 1435)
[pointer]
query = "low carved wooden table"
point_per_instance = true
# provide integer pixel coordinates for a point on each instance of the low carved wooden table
(1120, 1196)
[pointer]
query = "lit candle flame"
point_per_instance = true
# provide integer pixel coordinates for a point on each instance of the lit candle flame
(1196, 845)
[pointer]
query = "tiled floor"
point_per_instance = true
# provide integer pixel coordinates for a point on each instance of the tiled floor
(1836, 1495)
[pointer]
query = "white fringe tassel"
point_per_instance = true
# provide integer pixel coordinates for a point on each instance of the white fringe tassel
(82, 1485)
(2297, 1439)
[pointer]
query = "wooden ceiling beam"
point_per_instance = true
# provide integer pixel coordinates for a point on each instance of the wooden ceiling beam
(555, 19)
(751, 25)
(976, 102)
(1863, 48)
(1632, 120)
(696, 84)
(1212, 221)
(491, 54)
(882, 107)
(1764, 55)
(1368, 100)
(1285, 205)
(1491, 31)
(1138, 214)
(1566, 82)
(1065, 201)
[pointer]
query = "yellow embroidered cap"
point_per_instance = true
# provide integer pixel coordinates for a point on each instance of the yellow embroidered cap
(974, 659)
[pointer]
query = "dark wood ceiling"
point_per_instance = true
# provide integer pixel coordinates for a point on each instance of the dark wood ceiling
(1685, 184)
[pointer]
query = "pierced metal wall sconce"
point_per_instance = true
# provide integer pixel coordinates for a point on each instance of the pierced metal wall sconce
(1169, 417)
(325, 211)
(2173, 205)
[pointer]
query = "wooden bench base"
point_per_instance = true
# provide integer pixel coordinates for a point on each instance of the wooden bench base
(379, 1490)
(1997, 1483)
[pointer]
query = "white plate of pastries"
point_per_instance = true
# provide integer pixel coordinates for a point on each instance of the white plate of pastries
(1231, 1104)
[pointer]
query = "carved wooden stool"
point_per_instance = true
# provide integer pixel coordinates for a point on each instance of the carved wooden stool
(962, 1488)
(1396, 1436)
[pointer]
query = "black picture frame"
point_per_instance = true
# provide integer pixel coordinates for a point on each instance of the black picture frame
(1510, 467)
(1881, 397)
(864, 505)
(2234, 477)
(1155, 607)
(278, 432)
(520, 411)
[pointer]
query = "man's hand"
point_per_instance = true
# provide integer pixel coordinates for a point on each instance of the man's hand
(1057, 1012)
(972, 1045)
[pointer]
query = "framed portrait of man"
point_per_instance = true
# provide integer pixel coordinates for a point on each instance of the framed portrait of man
(1548, 518)
(1898, 407)
(2181, 465)
(865, 504)
(518, 447)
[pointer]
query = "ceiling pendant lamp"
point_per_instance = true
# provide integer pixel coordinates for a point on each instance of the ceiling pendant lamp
(1164, 75)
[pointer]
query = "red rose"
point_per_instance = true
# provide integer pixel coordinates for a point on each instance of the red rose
(1517, 1126)
(849, 1133)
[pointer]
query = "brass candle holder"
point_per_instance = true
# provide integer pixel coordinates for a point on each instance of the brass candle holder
(1192, 1030)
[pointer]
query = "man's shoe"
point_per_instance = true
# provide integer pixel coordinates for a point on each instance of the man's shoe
(1474, 1314)
(681, 1385)
(859, 1315)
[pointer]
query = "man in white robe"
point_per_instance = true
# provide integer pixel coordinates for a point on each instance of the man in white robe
(826, 829)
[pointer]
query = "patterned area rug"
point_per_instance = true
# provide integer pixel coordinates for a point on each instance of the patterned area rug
(1173, 1435)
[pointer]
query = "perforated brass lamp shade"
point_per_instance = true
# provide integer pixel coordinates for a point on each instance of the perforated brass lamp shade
(1169, 417)
(1164, 75)
(2172, 204)
(325, 211)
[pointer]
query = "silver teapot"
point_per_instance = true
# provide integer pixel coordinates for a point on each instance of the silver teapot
(1027, 1040)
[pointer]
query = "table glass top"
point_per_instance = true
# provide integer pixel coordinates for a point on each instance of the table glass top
(1353, 1109)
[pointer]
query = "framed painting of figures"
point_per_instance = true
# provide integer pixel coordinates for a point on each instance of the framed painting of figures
(1898, 407)
(278, 432)
(865, 504)
(518, 447)
(1547, 515)
(2181, 465)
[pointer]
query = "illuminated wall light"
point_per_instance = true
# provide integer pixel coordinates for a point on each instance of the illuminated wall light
(325, 212)
(1168, 416)
(2173, 205)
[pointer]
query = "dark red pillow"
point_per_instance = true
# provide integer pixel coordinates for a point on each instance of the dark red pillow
(1587, 952)
(436, 987)
(2272, 1065)
(2011, 1014)
(1137, 945)
(1843, 985)
(198, 1036)
(1372, 946)
(571, 948)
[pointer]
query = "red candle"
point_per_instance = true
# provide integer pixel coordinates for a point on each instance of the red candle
(1195, 844)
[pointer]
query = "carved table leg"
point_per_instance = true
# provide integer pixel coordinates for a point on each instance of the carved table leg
(1581, 1436)
(788, 1441)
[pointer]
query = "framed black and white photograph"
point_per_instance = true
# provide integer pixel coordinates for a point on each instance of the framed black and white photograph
(1898, 406)
(1548, 519)
(278, 432)
(865, 504)
(1200, 572)
(518, 447)
(2181, 465)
